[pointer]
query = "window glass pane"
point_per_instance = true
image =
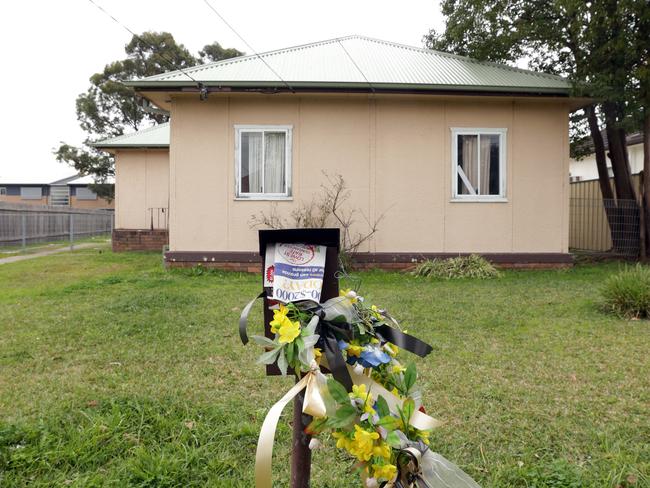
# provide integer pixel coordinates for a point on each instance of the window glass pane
(251, 162)
(467, 164)
(274, 167)
(30, 193)
(489, 162)
(85, 194)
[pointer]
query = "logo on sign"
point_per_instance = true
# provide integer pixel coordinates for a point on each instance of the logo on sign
(298, 254)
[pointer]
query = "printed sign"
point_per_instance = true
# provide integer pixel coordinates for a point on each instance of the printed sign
(298, 271)
(269, 265)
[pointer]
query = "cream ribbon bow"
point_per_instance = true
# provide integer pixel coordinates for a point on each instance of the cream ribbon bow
(313, 405)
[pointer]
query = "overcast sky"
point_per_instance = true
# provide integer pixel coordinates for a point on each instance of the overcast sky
(50, 49)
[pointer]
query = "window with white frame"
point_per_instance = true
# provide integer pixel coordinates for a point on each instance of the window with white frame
(3, 190)
(263, 161)
(478, 164)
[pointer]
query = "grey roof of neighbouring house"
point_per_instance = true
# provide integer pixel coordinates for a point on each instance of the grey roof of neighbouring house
(151, 137)
(357, 62)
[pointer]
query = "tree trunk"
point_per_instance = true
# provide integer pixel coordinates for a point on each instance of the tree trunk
(618, 155)
(599, 151)
(609, 203)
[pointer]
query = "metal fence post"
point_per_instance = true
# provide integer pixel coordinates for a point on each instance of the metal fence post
(24, 230)
(71, 228)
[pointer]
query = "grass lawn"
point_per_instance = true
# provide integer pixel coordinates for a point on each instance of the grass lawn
(115, 372)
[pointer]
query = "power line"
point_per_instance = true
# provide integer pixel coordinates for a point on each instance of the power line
(152, 47)
(372, 89)
(248, 45)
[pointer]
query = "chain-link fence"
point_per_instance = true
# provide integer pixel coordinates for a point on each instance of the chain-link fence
(23, 225)
(605, 225)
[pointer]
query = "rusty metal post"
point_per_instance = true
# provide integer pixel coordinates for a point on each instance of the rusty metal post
(300, 452)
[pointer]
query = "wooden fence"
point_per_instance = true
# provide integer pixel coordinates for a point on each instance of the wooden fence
(27, 224)
(588, 225)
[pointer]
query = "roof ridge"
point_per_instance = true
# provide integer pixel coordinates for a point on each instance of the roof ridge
(245, 57)
(458, 56)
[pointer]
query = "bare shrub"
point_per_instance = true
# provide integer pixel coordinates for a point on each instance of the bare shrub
(326, 209)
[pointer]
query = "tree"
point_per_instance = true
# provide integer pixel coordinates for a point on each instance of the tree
(215, 52)
(109, 108)
(586, 41)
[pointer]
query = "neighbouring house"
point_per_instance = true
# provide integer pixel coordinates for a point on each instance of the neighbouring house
(458, 156)
(141, 188)
(73, 191)
(585, 169)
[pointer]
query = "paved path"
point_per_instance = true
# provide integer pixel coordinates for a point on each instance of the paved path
(22, 257)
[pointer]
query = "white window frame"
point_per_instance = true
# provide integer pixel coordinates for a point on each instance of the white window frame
(288, 130)
(3, 191)
(478, 131)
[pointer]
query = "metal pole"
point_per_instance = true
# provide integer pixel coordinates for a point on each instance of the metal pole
(24, 229)
(300, 452)
(71, 227)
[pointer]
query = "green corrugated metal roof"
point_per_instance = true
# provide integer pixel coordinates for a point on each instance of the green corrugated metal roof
(156, 136)
(357, 62)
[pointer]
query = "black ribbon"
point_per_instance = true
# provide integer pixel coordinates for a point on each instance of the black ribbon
(402, 340)
(331, 332)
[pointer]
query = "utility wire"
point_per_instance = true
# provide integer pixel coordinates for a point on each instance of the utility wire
(248, 45)
(372, 88)
(151, 46)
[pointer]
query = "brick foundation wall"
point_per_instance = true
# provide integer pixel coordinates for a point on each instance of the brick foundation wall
(139, 239)
(250, 262)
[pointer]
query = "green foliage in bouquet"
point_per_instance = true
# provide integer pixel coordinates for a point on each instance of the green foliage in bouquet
(372, 427)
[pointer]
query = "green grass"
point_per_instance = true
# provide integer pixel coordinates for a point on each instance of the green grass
(18, 250)
(115, 372)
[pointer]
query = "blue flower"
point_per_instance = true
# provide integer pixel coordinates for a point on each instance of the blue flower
(372, 356)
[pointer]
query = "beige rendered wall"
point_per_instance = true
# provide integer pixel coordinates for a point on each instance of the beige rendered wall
(394, 154)
(141, 182)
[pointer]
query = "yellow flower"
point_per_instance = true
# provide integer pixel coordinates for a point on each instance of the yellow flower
(317, 353)
(382, 450)
(279, 316)
(384, 471)
(398, 368)
(362, 444)
(350, 294)
(342, 441)
(424, 436)
(359, 391)
(289, 331)
(375, 312)
(395, 392)
(354, 350)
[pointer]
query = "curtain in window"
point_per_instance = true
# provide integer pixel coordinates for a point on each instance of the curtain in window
(274, 167)
(251, 162)
(489, 160)
(468, 162)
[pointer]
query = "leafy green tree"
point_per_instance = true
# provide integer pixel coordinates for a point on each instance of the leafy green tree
(215, 52)
(109, 108)
(589, 42)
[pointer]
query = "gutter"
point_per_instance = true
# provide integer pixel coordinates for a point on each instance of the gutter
(360, 87)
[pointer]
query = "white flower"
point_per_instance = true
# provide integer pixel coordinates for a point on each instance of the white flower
(372, 483)
(315, 444)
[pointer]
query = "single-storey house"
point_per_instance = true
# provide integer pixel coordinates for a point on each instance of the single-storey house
(458, 156)
(141, 188)
(73, 191)
(585, 169)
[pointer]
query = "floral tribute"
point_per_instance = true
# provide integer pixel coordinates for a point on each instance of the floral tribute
(370, 405)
